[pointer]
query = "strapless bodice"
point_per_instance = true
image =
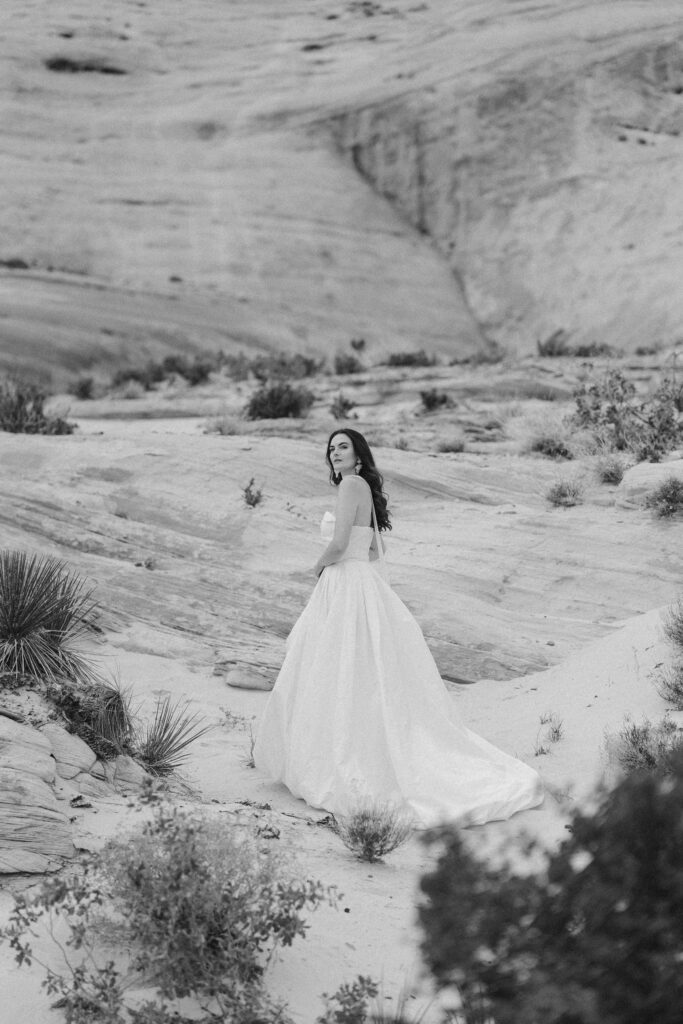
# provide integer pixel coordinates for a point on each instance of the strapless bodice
(359, 541)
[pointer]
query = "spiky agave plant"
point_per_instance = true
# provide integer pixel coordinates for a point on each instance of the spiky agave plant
(43, 616)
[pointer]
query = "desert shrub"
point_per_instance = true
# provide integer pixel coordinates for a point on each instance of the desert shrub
(279, 400)
(592, 350)
(433, 399)
(162, 745)
(565, 493)
(206, 903)
(100, 713)
(669, 684)
(82, 388)
(198, 905)
(21, 411)
(341, 406)
(645, 746)
(358, 344)
(345, 363)
(649, 427)
(557, 344)
(195, 371)
(415, 358)
(452, 445)
(280, 366)
(44, 611)
(349, 1004)
(236, 366)
(553, 446)
(610, 469)
(373, 830)
(672, 624)
(667, 499)
(593, 937)
(252, 495)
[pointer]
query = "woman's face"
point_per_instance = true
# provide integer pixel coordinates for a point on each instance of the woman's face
(341, 454)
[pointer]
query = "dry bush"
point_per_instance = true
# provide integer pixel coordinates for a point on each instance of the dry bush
(645, 746)
(565, 493)
(415, 358)
(373, 830)
(21, 411)
(279, 400)
(669, 685)
(610, 469)
(452, 445)
(100, 714)
(346, 362)
(672, 624)
(667, 499)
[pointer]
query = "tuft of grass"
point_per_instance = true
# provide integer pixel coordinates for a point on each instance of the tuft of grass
(280, 366)
(162, 747)
(21, 411)
(253, 496)
(646, 746)
(555, 729)
(373, 830)
(557, 344)
(667, 499)
(44, 612)
(669, 685)
(672, 624)
(565, 493)
(279, 400)
(610, 469)
(235, 721)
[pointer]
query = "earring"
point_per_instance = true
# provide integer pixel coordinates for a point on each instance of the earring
(358, 467)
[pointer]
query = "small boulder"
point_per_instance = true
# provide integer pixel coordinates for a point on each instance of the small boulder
(640, 480)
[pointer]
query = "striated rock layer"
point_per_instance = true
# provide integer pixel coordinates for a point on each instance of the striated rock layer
(443, 174)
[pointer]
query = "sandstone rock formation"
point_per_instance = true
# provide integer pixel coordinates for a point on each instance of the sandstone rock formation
(35, 833)
(444, 174)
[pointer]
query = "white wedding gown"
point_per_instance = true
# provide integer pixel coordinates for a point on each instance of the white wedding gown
(359, 713)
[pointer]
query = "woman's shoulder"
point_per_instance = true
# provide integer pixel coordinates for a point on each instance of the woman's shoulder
(357, 483)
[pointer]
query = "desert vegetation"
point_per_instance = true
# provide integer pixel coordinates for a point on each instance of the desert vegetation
(198, 904)
(537, 945)
(666, 500)
(22, 410)
(47, 612)
(565, 493)
(372, 831)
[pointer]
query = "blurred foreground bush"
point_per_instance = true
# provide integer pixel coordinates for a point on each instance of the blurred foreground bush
(595, 937)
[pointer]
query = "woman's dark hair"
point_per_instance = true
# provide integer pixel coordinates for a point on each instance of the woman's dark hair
(368, 471)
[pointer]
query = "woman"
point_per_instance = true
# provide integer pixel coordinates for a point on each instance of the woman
(358, 712)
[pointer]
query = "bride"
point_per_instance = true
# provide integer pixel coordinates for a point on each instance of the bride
(359, 713)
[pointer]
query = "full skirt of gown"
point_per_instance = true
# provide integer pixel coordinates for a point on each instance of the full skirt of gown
(359, 713)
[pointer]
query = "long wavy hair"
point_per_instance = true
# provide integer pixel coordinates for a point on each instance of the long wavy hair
(368, 471)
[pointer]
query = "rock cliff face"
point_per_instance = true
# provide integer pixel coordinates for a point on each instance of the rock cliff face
(552, 189)
(440, 174)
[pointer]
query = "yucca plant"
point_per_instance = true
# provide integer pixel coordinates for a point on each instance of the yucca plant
(162, 747)
(44, 610)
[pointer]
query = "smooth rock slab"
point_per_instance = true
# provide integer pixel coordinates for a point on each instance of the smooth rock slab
(639, 481)
(70, 752)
